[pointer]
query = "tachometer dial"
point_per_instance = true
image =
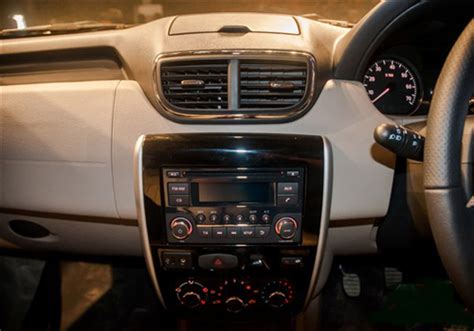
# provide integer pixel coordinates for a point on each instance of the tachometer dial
(393, 87)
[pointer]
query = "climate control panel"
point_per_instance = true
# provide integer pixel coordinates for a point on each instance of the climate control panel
(235, 295)
(246, 281)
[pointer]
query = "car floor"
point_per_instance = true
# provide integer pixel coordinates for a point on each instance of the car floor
(424, 300)
(69, 294)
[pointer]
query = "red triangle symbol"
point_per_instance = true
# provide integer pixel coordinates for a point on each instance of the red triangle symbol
(218, 262)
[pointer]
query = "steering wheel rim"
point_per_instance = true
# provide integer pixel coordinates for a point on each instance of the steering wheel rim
(451, 221)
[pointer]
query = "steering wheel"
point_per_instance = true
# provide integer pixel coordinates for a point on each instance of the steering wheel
(451, 219)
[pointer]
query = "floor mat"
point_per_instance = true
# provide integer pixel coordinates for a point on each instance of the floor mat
(19, 279)
(424, 304)
(430, 302)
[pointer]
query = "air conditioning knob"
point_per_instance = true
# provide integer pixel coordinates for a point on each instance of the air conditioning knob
(286, 227)
(192, 294)
(181, 228)
(234, 304)
(278, 293)
(191, 299)
(277, 299)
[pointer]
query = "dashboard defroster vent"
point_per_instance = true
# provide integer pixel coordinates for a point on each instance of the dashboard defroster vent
(195, 84)
(272, 84)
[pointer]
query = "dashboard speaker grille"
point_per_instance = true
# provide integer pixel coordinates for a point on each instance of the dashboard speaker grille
(272, 84)
(195, 84)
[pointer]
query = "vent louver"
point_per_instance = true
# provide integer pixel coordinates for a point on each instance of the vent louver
(195, 84)
(272, 84)
(204, 86)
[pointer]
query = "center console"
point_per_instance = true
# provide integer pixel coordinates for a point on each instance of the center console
(233, 223)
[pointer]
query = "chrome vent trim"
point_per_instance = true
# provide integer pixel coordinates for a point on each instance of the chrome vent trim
(184, 81)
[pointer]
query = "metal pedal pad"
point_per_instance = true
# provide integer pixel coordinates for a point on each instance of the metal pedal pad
(393, 277)
(350, 283)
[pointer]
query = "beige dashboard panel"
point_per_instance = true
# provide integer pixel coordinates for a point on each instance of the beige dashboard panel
(57, 157)
(56, 148)
(343, 113)
(74, 237)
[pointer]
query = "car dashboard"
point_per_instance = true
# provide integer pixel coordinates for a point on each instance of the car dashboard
(235, 152)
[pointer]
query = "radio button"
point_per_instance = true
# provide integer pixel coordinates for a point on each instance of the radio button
(248, 232)
(266, 218)
(173, 173)
(287, 200)
(262, 232)
(233, 232)
(201, 218)
(227, 219)
(287, 188)
(253, 218)
(219, 232)
(292, 173)
(179, 200)
(239, 219)
(204, 232)
(214, 218)
(178, 188)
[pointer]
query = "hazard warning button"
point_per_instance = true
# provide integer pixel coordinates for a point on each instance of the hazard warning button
(218, 261)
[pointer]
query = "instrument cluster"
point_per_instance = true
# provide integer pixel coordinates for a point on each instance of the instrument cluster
(400, 77)
(394, 86)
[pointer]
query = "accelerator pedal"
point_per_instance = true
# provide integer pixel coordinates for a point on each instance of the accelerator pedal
(393, 277)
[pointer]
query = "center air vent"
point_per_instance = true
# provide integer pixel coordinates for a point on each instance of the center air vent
(195, 84)
(271, 84)
(235, 85)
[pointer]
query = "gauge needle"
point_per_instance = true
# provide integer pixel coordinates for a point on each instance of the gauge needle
(381, 94)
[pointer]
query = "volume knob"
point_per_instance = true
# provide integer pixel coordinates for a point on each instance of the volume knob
(286, 227)
(181, 228)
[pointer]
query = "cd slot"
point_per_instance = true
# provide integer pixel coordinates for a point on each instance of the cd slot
(236, 174)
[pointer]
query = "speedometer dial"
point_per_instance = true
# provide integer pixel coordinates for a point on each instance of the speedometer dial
(393, 87)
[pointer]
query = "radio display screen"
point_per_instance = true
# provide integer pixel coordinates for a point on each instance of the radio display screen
(236, 193)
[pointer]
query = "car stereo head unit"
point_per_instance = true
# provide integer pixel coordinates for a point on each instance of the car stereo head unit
(233, 205)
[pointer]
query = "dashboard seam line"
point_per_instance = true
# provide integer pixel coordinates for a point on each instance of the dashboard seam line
(112, 134)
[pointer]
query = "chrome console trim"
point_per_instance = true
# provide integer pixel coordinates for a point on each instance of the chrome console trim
(323, 229)
(240, 115)
(140, 205)
(324, 224)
